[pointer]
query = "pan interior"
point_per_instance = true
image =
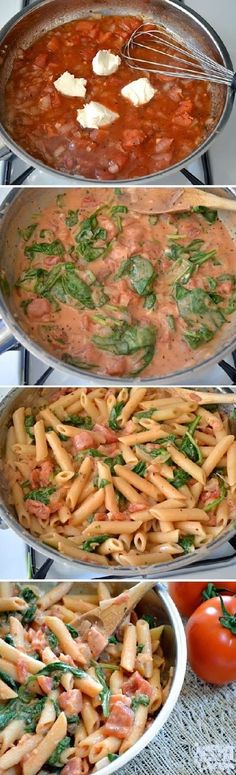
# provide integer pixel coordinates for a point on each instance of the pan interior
(51, 13)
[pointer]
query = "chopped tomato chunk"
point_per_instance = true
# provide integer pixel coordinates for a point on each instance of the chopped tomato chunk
(136, 684)
(120, 721)
(71, 702)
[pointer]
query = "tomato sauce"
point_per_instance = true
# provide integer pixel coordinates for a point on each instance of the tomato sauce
(123, 293)
(141, 141)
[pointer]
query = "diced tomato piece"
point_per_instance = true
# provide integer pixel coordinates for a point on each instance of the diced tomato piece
(40, 61)
(45, 683)
(73, 767)
(120, 721)
(137, 685)
(183, 119)
(163, 144)
(22, 670)
(46, 470)
(133, 137)
(82, 440)
(185, 106)
(97, 641)
(38, 308)
(71, 702)
(120, 698)
(109, 435)
(37, 509)
(54, 44)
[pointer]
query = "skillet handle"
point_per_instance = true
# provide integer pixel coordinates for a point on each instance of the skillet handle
(6, 338)
(3, 525)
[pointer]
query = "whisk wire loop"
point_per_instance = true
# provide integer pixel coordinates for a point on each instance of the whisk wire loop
(175, 61)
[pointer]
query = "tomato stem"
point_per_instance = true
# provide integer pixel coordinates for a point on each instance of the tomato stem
(227, 620)
(212, 591)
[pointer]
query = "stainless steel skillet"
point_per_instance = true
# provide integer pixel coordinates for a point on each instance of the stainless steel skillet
(30, 24)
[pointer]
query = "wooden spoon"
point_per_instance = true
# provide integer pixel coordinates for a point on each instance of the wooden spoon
(177, 200)
(110, 613)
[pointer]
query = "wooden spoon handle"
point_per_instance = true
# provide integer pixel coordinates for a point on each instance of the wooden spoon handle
(195, 197)
(111, 612)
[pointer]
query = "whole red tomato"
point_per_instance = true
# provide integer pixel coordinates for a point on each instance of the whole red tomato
(187, 595)
(211, 640)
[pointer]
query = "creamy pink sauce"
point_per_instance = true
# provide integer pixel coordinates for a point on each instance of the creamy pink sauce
(68, 327)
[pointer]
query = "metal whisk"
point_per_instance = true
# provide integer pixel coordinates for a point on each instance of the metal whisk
(177, 61)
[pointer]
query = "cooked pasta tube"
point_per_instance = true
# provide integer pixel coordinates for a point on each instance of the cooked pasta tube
(45, 747)
(137, 730)
(12, 732)
(6, 693)
(48, 715)
(102, 748)
(66, 679)
(140, 437)
(54, 595)
(89, 506)
(14, 655)
(217, 453)
(166, 488)
(63, 459)
(114, 527)
(181, 514)
(17, 753)
(12, 604)
(104, 474)
(67, 643)
(19, 426)
(187, 465)
(128, 653)
(78, 484)
(103, 591)
(67, 548)
(40, 441)
(128, 491)
(136, 481)
(17, 632)
(136, 396)
(10, 441)
(144, 659)
(49, 418)
(90, 717)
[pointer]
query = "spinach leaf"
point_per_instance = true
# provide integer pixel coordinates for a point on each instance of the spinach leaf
(150, 301)
(55, 758)
(152, 620)
(153, 220)
(29, 422)
(217, 501)
(28, 712)
(79, 421)
(78, 289)
(29, 614)
(55, 248)
(171, 322)
(128, 340)
(72, 218)
(91, 543)
(8, 680)
(89, 234)
(140, 468)
(105, 693)
(112, 757)
(140, 699)
(199, 337)
(119, 209)
(52, 639)
(113, 640)
(180, 478)
(114, 415)
(43, 494)
(4, 284)
(28, 595)
(187, 543)
(191, 449)
(8, 639)
(28, 232)
(209, 215)
(140, 272)
(73, 632)
(118, 460)
(102, 483)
